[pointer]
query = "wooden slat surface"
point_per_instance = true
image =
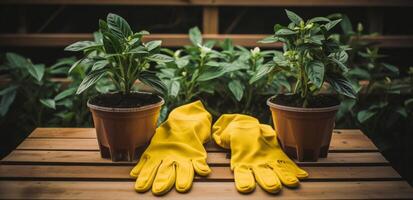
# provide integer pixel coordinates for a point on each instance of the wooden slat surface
(177, 40)
(214, 158)
(342, 3)
(204, 190)
(219, 173)
(64, 163)
(84, 139)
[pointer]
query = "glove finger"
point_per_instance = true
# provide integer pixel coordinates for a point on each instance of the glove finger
(244, 180)
(135, 171)
(165, 178)
(285, 173)
(147, 175)
(267, 179)
(201, 167)
(184, 176)
(299, 173)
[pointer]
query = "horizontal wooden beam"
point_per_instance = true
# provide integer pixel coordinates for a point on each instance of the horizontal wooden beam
(300, 3)
(168, 40)
(178, 40)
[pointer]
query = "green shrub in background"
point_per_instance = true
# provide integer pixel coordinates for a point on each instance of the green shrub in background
(194, 72)
(25, 97)
(384, 105)
(237, 94)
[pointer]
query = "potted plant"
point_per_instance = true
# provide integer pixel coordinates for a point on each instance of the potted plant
(304, 119)
(124, 119)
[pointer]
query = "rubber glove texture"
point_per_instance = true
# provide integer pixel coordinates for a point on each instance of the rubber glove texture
(256, 155)
(175, 152)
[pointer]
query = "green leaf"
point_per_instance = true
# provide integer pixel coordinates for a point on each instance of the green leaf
(315, 71)
(319, 19)
(153, 44)
(408, 104)
(103, 27)
(65, 93)
(269, 39)
(90, 80)
(341, 56)
(50, 103)
(195, 36)
(36, 71)
(341, 85)
(391, 68)
(7, 98)
(174, 88)
(149, 78)
(16, 60)
(119, 26)
(81, 45)
(211, 73)
(60, 67)
(160, 58)
(317, 39)
(181, 62)
(346, 25)
(402, 111)
(293, 17)
(111, 43)
(285, 31)
(210, 43)
(237, 89)
(100, 65)
(358, 73)
(75, 65)
(332, 24)
(365, 115)
(261, 72)
(341, 65)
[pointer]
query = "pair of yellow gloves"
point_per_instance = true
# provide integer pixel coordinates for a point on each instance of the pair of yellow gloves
(177, 150)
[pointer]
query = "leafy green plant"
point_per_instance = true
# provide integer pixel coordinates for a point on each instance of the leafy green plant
(194, 71)
(311, 55)
(31, 82)
(24, 97)
(121, 55)
(236, 93)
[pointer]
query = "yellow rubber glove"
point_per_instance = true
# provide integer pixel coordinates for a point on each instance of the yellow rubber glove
(175, 151)
(255, 154)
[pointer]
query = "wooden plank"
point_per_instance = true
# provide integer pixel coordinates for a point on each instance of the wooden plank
(300, 3)
(203, 190)
(214, 158)
(178, 40)
(311, 3)
(390, 41)
(168, 40)
(84, 139)
(210, 19)
(110, 2)
(64, 133)
(219, 173)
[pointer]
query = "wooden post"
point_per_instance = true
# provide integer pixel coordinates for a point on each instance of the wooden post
(210, 20)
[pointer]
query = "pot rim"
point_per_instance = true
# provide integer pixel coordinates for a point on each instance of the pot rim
(124, 110)
(298, 109)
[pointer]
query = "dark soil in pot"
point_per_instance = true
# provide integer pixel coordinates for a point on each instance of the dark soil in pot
(317, 101)
(119, 100)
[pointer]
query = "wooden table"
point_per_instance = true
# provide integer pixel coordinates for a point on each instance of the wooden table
(64, 163)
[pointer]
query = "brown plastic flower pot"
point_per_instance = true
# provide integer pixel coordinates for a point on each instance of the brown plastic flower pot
(304, 133)
(121, 132)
